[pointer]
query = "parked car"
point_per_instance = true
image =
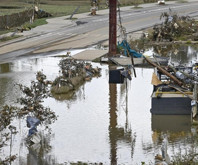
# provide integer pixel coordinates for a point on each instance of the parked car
(161, 2)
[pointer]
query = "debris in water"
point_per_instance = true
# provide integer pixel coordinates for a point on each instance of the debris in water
(73, 73)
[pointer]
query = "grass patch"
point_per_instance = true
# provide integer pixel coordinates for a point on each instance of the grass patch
(188, 42)
(54, 7)
(71, 18)
(9, 38)
(9, 7)
(57, 10)
(37, 22)
(4, 31)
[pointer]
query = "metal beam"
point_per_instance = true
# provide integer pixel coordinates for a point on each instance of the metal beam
(112, 27)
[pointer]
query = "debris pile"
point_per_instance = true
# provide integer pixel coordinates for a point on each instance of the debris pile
(73, 73)
(23, 28)
(176, 76)
(42, 14)
(175, 26)
(94, 6)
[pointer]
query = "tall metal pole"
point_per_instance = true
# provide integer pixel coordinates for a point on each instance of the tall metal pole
(112, 27)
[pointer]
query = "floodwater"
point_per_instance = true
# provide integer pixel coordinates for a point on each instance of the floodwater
(101, 123)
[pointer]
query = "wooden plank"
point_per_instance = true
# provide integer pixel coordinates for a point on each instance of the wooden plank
(124, 61)
(90, 55)
(164, 71)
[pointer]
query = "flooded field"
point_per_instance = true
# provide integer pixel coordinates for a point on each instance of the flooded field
(100, 123)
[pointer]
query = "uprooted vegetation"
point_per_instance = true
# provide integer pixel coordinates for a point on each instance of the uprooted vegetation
(73, 74)
(175, 27)
(34, 95)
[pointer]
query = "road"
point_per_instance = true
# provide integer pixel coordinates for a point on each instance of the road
(61, 34)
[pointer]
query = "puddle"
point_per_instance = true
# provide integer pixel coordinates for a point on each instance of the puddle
(102, 123)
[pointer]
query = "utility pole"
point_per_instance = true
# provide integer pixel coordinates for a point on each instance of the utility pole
(112, 27)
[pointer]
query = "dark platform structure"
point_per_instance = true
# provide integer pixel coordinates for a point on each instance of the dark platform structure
(170, 104)
(115, 76)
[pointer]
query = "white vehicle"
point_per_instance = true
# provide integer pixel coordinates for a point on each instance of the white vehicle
(161, 2)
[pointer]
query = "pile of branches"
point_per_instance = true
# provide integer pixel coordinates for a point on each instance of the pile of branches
(173, 27)
(72, 74)
(33, 98)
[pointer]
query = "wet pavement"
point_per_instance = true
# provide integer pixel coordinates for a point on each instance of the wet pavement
(100, 122)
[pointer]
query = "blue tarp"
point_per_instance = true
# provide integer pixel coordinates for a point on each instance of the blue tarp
(124, 44)
(32, 123)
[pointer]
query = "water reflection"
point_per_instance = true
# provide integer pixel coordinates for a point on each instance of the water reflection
(119, 134)
(172, 123)
(23, 72)
(38, 154)
(78, 93)
(175, 128)
(178, 53)
(128, 136)
(113, 131)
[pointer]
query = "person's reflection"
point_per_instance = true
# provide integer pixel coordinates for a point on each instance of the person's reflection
(113, 123)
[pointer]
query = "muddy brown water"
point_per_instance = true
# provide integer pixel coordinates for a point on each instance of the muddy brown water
(101, 123)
